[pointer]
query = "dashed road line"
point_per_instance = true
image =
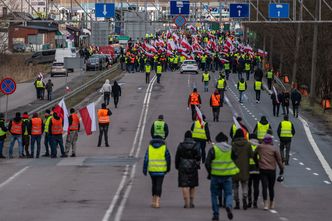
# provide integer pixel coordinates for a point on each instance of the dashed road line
(295, 158)
(316, 174)
(327, 182)
(301, 163)
(307, 168)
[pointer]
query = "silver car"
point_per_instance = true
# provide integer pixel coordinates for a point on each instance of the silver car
(58, 68)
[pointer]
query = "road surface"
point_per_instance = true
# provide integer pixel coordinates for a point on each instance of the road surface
(107, 183)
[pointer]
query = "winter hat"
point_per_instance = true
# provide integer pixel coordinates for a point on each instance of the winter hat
(268, 139)
(221, 137)
(24, 115)
(188, 134)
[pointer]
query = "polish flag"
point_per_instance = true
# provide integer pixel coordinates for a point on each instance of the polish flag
(199, 116)
(171, 45)
(61, 110)
(150, 48)
(88, 115)
(184, 43)
(169, 53)
(175, 37)
(169, 34)
(188, 57)
(262, 53)
(248, 49)
(224, 60)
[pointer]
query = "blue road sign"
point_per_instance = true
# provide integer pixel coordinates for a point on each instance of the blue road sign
(180, 7)
(239, 10)
(8, 86)
(105, 10)
(180, 21)
(279, 10)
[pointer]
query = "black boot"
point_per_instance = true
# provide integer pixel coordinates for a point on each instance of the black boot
(245, 205)
(255, 204)
(249, 204)
(229, 213)
(237, 205)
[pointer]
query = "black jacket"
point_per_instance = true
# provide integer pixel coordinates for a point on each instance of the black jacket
(296, 97)
(258, 74)
(116, 90)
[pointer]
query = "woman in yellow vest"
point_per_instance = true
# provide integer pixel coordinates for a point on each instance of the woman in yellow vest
(157, 162)
(254, 177)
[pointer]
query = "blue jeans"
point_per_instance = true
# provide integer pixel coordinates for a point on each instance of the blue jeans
(206, 86)
(158, 78)
(12, 143)
(239, 75)
(240, 96)
(217, 185)
(55, 140)
(35, 138)
(1, 146)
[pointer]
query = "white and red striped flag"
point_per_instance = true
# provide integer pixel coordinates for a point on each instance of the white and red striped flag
(185, 44)
(199, 116)
(61, 110)
(88, 115)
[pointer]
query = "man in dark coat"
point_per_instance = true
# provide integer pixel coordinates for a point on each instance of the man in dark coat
(116, 93)
(187, 160)
(296, 100)
(258, 74)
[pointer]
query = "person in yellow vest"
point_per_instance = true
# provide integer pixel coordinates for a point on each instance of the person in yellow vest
(215, 103)
(262, 128)
(286, 131)
(221, 86)
(103, 121)
(159, 128)
(221, 168)
(176, 62)
(201, 134)
(242, 87)
(56, 131)
(269, 77)
(203, 62)
(36, 129)
(147, 72)
(243, 127)
(182, 59)
(15, 127)
(159, 70)
(157, 162)
(254, 178)
(227, 68)
(3, 134)
(47, 136)
(72, 136)
(26, 135)
(39, 85)
(247, 69)
(205, 79)
(171, 63)
(258, 86)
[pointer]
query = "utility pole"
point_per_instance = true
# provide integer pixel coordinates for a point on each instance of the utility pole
(264, 49)
(314, 54)
(271, 52)
(297, 44)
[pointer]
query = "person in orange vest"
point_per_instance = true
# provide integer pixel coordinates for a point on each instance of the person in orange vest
(104, 122)
(16, 129)
(36, 129)
(215, 103)
(56, 130)
(72, 136)
(194, 100)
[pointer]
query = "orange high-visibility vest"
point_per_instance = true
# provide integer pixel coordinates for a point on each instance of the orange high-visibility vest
(16, 127)
(194, 99)
(103, 118)
(215, 100)
(56, 126)
(36, 126)
(75, 123)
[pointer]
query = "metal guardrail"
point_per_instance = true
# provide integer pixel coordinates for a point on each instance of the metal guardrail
(75, 91)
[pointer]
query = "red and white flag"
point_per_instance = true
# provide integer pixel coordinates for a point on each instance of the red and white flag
(199, 116)
(184, 43)
(262, 53)
(171, 45)
(169, 53)
(61, 110)
(88, 115)
(175, 37)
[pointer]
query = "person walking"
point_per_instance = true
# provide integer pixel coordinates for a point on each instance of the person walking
(157, 162)
(276, 101)
(36, 128)
(3, 134)
(267, 157)
(286, 132)
(15, 127)
(106, 90)
(243, 127)
(242, 87)
(205, 79)
(72, 136)
(215, 104)
(187, 162)
(201, 135)
(39, 86)
(258, 74)
(147, 72)
(49, 89)
(247, 68)
(221, 168)
(194, 100)
(221, 86)
(242, 150)
(227, 69)
(56, 131)
(159, 128)
(47, 136)
(104, 122)
(269, 77)
(296, 100)
(258, 88)
(159, 70)
(262, 128)
(254, 177)
(26, 134)
(285, 102)
(116, 93)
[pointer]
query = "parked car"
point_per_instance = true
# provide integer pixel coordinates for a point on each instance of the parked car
(19, 47)
(58, 68)
(189, 66)
(93, 63)
(103, 60)
(41, 57)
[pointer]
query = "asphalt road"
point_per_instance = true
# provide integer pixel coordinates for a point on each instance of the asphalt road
(107, 183)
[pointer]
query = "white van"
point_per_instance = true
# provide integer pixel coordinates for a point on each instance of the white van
(62, 53)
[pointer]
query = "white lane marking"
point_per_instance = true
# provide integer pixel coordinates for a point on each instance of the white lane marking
(307, 168)
(256, 119)
(327, 182)
(273, 211)
(294, 158)
(125, 174)
(283, 218)
(118, 214)
(316, 149)
(316, 174)
(301, 163)
(10, 179)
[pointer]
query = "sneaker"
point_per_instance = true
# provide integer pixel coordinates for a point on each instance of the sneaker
(229, 213)
(2, 157)
(46, 155)
(64, 156)
(73, 155)
(215, 218)
(107, 145)
(255, 205)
